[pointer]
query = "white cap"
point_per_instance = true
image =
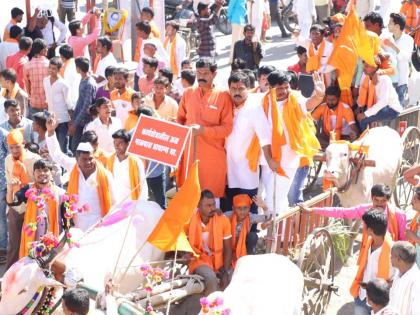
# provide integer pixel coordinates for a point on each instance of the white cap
(85, 147)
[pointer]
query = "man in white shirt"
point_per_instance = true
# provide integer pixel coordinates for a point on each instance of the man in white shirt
(248, 120)
(103, 48)
(377, 291)
(57, 93)
(405, 290)
(69, 73)
(384, 104)
(88, 179)
(281, 160)
(177, 53)
(48, 24)
(129, 176)
(374, 259)
(10, 46)
(104, 125)
(402, 44)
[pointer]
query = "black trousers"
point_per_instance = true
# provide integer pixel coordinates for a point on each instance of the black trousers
(275, 14)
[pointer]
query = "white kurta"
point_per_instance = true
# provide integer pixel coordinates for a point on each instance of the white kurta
(73, 80)
(180, 52)
(247, 122)
(371, 269)
(104, 133)
(122, 180)
(305, 10)
(405, 292)
(289, 162)
(108, 60)
(88, 188)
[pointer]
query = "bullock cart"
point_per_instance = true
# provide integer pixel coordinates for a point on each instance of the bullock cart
(302, 236)
(408, 125)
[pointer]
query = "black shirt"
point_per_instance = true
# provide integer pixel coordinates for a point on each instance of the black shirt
(246, 52)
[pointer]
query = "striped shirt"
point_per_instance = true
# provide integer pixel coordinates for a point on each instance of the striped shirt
(207, 38)
(68, 4)
(87, 93)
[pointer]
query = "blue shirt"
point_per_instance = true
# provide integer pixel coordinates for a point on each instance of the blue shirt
(4, 151)
(87, 93)
(236, 12)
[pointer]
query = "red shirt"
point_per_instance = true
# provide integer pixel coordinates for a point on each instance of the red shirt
(16, 62)
(296, 68)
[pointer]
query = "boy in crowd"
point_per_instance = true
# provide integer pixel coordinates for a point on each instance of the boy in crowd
(17, 16)
(166, 106)
(87, 92)
(137, 101)
(145, 82)
(105, 91)
(377, 292)
(12, 90)
(76, 302)
(57, 92)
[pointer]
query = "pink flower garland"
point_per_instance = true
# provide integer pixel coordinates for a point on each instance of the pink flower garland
(153, 277)
(214, 307)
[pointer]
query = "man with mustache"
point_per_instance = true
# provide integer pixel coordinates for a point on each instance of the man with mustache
(247, 121)
(381, 195)
(336, 117)
(209, 234)
(209, 111)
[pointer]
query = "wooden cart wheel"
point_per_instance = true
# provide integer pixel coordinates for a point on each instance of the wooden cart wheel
(316, 261)
(313, 174)
(403, 192)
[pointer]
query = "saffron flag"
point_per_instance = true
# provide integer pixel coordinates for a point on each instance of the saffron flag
(178, 214)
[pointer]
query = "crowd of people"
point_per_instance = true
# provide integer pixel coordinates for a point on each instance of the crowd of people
(70, 113)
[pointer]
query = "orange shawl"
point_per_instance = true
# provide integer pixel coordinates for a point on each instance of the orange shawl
(30, 217)
(409, 10)
(195, 230)
(13, 92)
(102, 182)
(137, 52)
(239, 248)
(20, 172)
(338, 122)
(133, 174)
(383, 264)
(414, 226)
(392, 230)
(174, 65)
(300, 128)
(100, 156)
(314, 60)
(367, 95)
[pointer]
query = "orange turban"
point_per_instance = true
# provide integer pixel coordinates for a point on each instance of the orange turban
(15, 136)
(241, 200)
(338, 18)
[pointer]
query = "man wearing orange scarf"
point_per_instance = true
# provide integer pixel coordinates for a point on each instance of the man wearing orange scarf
(209, 234)
(374, 259)
(336, 117)
(128, 170)
(175, 47)
(19, 172)
(377, 98)
(88, 178)
(12, 90)
(244, 240)
(209, 111)
(47, 219)
(381, 195)
(292, 137)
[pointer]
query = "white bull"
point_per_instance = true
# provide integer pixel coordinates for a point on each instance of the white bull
(384, 147)
(263, 284)
(94, 260)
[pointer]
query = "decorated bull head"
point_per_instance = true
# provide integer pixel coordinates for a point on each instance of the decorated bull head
(22, 287)
(341, 157)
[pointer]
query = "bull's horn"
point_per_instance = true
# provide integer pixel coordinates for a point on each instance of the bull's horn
(49, 257)
(320, 157)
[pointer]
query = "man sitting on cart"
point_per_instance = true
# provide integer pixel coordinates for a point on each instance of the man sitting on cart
(381, 195)
(244, 239)
(209, 234)
(335, 116)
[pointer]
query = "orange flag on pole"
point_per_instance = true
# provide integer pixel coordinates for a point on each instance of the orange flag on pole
(178, 214)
